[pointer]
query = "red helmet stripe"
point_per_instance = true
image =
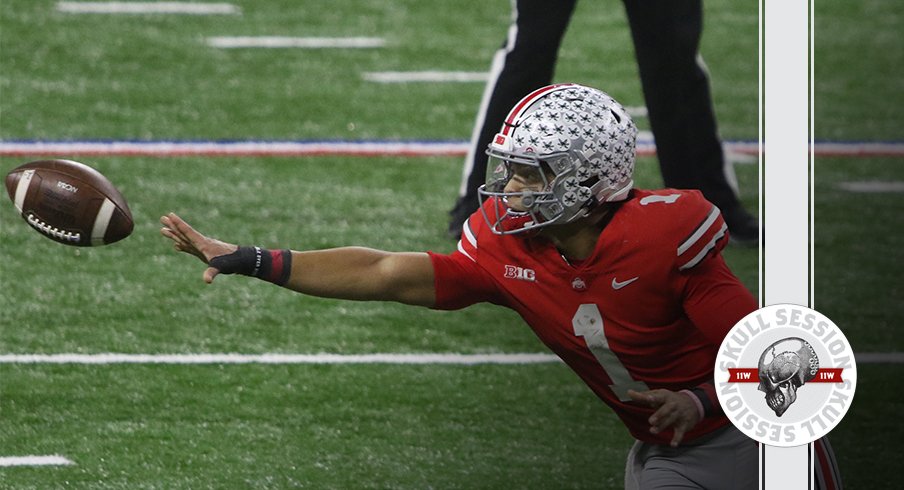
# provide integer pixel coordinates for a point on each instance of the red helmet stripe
(526, 102)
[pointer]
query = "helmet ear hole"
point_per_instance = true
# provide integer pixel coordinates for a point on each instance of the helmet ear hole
(557, 165)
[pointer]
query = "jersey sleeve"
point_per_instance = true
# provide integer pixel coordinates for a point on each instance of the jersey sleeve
(459, 279)
(704, 232)
(715, 299)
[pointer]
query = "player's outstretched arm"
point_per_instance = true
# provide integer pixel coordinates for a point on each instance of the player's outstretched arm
(353, 273)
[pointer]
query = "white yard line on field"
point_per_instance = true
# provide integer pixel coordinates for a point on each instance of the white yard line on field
(294, 42)
(873, 186)
(234, 148)
(424, 76)
(147, 8)
(273, 358)
(879, 357)
(53, 460)
(324, 358)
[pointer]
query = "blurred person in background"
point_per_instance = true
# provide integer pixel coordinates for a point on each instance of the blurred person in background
(666, 35)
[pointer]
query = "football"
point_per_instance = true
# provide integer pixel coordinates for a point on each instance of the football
(69, 202)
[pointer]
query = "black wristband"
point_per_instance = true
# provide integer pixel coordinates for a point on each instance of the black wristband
(705, 401)
(245, 261)
(270, 265)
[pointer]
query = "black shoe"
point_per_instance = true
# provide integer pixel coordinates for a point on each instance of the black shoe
(744, 229)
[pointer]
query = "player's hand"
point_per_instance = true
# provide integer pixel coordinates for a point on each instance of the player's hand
(186, 239)
(673, 410)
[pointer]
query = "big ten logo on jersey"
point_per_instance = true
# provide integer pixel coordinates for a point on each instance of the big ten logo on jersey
(520, 273)
(786, 375)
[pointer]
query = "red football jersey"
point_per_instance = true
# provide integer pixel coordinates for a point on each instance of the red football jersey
(648, 309)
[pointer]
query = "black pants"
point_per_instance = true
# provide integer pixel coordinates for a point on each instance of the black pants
(666, 35)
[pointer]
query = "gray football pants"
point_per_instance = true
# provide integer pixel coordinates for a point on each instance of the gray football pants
(725, 459)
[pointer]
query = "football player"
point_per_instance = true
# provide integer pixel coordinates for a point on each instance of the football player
(626, 285)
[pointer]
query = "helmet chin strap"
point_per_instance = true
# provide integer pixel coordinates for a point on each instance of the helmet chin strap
(597, 214)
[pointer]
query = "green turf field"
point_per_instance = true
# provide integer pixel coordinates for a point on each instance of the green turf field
(152, 77)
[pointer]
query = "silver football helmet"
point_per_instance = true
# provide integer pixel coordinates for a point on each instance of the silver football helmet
(562, 150)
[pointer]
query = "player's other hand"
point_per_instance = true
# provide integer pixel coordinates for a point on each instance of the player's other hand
(674, 410)
(186, 239)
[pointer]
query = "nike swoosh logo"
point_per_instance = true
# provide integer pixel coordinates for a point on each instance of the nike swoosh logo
(619, 285)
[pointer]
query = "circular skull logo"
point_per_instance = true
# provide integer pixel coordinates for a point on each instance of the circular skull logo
(785, 375)
(784, 367)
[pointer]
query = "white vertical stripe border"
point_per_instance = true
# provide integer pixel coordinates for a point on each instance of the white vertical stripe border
(786, 197)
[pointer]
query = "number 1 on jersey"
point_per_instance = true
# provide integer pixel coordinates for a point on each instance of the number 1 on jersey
(588, 323)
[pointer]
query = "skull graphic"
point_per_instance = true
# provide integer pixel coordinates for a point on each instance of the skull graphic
(784, 367)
